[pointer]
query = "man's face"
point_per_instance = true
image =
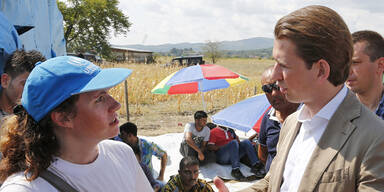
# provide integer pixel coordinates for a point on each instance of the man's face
(96, 117)
(276, 98)
(13, 87)
(363, 73)
(131, 139)
(290, 72)
(189, 175)
(201, 122)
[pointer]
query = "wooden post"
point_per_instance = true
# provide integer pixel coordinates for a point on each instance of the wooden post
(126, 99)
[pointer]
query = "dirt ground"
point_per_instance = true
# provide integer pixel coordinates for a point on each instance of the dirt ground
(159, 123)
(153, 125)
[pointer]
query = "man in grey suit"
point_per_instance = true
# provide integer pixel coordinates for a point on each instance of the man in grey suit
(333, 143)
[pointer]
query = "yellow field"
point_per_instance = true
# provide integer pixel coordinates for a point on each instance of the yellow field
(153, 112)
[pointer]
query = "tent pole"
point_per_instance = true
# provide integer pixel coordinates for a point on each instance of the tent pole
(202, 97)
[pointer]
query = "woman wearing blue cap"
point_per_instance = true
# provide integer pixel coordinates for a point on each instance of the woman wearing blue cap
(56, 141)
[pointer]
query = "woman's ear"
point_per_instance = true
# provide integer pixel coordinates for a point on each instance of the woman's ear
(61, 119)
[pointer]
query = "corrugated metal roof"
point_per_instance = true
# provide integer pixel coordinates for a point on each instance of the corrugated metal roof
(130, 49)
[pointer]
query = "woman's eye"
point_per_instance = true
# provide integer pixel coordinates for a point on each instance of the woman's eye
(100, 99)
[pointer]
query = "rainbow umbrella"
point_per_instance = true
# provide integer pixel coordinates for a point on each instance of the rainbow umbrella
(197, 78)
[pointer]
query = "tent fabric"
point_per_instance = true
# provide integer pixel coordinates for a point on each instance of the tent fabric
(47, 34)
(9, 40)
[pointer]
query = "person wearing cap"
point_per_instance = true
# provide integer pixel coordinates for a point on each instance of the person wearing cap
(62, 128)
(366, 75)
(16, 70)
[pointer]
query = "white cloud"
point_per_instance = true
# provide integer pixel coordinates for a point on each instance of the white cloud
(175, 21)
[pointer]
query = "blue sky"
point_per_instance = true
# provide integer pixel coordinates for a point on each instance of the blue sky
(175, 21)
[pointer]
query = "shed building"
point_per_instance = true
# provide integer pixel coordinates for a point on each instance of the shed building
(124, 54)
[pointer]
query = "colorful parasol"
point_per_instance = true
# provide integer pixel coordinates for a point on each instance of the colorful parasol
(197, 78)
(194, 87)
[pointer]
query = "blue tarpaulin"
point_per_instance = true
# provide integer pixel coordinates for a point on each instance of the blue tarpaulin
(47, 34)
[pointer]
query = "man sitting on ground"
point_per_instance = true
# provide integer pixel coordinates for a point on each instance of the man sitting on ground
(128, 134)
(229, 150)
(16, 72)
(188, 178)
(196, 136)
(156, 185)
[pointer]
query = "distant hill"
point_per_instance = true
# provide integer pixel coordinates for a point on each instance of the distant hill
(240, 45)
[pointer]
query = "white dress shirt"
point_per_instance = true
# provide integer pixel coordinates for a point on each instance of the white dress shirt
(306, 141)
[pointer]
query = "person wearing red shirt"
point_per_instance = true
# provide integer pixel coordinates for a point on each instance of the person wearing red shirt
(229, 150)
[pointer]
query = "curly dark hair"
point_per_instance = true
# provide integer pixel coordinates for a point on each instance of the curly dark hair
(30, 146)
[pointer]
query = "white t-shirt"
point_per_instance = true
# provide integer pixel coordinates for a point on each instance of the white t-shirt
(204, 133)
(115, 169)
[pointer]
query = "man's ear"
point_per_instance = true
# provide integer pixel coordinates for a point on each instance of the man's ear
(61, 119)
(5, 80)
(380, 63)
(323, 69)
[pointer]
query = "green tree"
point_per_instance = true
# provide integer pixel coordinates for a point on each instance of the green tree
(212, 51)
(88, 24)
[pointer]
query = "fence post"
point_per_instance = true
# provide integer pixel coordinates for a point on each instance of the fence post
(126, 99)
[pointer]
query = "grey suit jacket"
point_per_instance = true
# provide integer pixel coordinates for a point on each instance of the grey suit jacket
(349, 156)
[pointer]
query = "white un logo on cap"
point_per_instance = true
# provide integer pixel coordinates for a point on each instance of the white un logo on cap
(87, 66)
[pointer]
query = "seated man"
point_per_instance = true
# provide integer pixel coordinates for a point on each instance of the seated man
(156, 185)
(196, 136)
(128, 134)
(188, 178)
(229, 150)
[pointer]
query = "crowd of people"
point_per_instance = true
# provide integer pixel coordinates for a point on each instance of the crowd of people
(324, 131)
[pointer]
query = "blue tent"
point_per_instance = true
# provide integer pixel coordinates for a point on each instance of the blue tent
(42, 24)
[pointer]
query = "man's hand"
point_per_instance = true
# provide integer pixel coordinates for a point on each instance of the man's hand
(220, 184)
(200, 156)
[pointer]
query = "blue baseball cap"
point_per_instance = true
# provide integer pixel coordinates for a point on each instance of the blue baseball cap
(55, 80)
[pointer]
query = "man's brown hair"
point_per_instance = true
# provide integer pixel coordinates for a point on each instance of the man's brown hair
(375, 43)
(319, 33)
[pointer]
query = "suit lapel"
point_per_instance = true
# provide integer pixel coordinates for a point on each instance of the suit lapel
(337, 132)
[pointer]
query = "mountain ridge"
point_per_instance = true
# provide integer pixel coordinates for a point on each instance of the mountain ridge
(238, 45)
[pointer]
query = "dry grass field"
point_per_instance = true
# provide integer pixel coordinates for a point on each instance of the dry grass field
(159, 114)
